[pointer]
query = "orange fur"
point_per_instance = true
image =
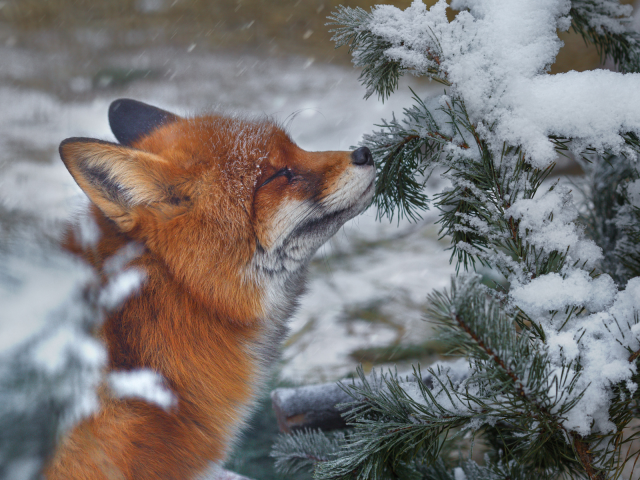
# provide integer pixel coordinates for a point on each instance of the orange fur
(193, 195)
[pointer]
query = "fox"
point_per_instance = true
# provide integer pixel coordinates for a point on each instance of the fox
(226, 213)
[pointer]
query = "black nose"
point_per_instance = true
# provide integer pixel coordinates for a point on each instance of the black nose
(362, 156)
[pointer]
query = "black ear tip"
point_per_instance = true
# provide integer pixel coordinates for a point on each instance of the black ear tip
(124, 106)
(131, 120)
(115, 105)
(67, 140)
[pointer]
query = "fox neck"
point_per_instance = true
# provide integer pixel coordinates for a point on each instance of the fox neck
(210, 343)
(264, 298)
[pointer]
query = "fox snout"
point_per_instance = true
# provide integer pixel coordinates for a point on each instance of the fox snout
(300, 212)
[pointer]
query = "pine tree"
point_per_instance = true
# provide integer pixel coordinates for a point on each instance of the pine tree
(549, 370)
(51, 364)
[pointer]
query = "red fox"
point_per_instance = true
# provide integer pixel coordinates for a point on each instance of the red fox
(227, 213)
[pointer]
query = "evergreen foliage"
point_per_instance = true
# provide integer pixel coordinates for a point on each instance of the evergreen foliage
(621, 45)
(49, 373)
(531, 383)
(610, 217)
(304, 449)
(51, 364)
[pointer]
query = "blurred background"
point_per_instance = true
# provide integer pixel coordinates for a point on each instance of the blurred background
(62, 62)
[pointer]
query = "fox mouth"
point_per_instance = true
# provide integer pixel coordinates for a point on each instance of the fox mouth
(369, 188)
(332, 219)
(322, 219)
(322, 223)
(366, 196)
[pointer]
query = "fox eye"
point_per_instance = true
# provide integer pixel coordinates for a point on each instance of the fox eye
(283, 172)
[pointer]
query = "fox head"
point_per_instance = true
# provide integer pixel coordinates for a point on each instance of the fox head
(233, 208)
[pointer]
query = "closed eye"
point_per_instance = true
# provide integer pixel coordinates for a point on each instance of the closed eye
(284, 172)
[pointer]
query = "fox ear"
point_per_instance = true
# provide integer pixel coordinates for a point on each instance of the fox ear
(131, 120)
(120, 179)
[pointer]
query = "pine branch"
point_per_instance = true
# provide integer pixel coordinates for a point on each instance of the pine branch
(314, 406)
(395, 424)
(406, 152)
(586, 457)
(475, 325)
(522, 389)
(380, 74)
(474, 211)
(304, 450)
(608, 26)
(391, 427)
(472, 471)
(610, 219)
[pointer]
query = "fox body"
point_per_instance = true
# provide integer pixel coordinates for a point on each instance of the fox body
(227, 213)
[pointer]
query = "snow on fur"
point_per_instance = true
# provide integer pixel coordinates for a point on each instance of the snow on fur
(144, 384)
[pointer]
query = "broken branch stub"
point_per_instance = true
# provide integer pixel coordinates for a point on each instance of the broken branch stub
(314, 406)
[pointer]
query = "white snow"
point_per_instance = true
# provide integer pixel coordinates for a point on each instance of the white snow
(600, 339)
(459, 474)
(52, 352)
(633, 193)
(144, 384)
(557, 292)
(548, 222)
(86, 229)
(496, 55)
(43, 286)
(563, 347)
(121, 286)
(591, 107)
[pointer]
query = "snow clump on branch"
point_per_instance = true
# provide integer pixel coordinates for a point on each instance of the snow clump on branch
(496, 57)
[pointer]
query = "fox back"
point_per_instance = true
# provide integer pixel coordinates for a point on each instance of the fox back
(225, 214)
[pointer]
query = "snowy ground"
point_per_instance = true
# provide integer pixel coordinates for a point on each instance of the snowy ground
(369, 267)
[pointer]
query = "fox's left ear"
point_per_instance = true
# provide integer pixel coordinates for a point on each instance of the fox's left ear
(122, 180)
